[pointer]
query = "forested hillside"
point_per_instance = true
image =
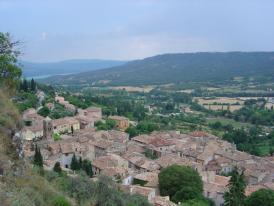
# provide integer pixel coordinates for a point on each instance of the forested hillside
(175, 68)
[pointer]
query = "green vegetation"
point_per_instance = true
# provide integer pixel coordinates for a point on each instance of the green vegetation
(44, 111)
(57, 168)
(87, 192)
(25, 100)
(180, 183)
(77, 164)
(236, 194)
(255, 113)
(253, 140)
(10, 72)
(27, 86)
(59, 112)
(175, 68)
(263, 197)
(38, 158)
(139, 182)
(60, 201)
(108, 124)
(56, 137)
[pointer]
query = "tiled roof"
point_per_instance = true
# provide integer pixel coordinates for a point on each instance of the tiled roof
(66, 148)
(118, 118)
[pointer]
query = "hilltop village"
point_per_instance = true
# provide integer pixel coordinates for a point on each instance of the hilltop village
(135, 163)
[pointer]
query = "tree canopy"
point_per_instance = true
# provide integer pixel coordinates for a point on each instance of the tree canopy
(10, 72)
(181, 183)
(236, 194)
(263, 197)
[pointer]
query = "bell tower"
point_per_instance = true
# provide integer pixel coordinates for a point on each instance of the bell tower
(47, 128)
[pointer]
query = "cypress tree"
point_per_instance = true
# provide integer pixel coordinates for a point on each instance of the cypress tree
(236, 194)
(87, 167)
(74, 163)
(38, 158)
(32, 85)
(80, 163)
(25, 85)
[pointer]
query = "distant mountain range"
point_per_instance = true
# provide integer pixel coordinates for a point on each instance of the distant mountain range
(175, 68)
(39, 70)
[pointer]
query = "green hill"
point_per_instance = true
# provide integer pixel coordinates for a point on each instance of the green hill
(175, 68)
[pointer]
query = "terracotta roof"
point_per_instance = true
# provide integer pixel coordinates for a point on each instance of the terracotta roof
(163, 201)
(150, 177)
(253, 188)
(144, 191)
(83, 118)
(145, 139)
(94, 109)
(65, 120)
(199, 134)
(160, 142)
(221, 180)
(104, 162)
(34, 128)
(66, 148)
(114, 171)
(171, 159)
(118, 118)
(135, 148)
(102, 144)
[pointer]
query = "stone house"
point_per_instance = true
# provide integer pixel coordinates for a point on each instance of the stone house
(65, 125)
(109, 161)
(94, 113)
(85, 122)
(32, 132)
(122, 123)
(215, 189)
(67, 153)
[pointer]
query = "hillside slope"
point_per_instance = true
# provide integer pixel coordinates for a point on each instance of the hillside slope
(31, 69)
(174, 68)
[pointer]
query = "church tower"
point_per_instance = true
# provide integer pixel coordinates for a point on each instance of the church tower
(47, 128)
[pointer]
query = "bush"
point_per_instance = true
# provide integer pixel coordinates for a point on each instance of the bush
(60, 201)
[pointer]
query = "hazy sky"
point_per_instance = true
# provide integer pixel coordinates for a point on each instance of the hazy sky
(55, 30)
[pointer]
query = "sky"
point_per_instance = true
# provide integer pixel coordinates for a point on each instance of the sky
(55, 30)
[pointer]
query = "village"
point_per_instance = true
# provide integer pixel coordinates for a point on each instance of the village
(135, 163)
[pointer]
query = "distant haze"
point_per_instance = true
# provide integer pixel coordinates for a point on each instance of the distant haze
(41, 70)
(54, 30)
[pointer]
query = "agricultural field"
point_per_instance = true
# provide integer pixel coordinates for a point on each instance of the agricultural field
(220, 103)
(145, 89)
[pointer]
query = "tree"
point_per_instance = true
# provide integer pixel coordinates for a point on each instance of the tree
(263, 197)
(87, 167)
(10, 73)
(38, 159)
(57, 167)
(80, 163)
(181, 183)
(32, 85)
(132, 131)
(74, 163)
(236, 194)
(44, 111)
